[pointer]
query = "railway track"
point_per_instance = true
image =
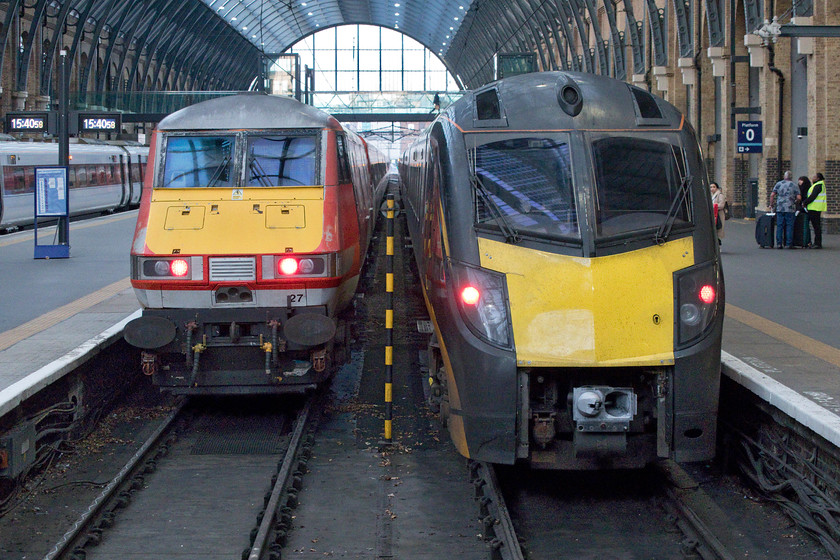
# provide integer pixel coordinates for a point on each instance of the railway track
(197, 488)
(667, 516)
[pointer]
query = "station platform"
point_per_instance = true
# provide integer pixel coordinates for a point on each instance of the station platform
(55, 314)
(781, 332)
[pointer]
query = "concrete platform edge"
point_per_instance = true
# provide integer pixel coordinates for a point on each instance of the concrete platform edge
(808, 413)
(13, 395)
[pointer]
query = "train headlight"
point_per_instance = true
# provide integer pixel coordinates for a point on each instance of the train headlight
(698, 290)
(482, 302)
(283, 266)
(179, 268)
(163, 268)
(287, 266)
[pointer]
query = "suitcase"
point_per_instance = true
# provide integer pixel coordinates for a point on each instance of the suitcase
(800, 225)
(765, 230)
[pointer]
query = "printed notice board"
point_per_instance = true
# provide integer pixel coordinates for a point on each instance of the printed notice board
(52, 202)
(50, 191)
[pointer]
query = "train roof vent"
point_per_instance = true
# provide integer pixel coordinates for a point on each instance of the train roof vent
(488, 109)
(646, 106)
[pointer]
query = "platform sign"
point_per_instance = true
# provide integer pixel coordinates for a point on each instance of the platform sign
(52, 201)
(750, 137)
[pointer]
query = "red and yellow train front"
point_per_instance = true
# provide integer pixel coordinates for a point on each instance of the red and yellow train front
(247, 247)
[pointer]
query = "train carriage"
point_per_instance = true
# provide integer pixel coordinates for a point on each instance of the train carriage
(563, 234)
(103, 177)
(249, 242)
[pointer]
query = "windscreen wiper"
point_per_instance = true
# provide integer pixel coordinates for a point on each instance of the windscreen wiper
(510, 233)
(664, 230)
(218, 173)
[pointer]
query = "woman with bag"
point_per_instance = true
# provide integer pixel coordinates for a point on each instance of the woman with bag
(718, 200)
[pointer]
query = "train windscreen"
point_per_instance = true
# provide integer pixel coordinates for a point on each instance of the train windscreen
(281, 160)
(198, 161)
(636, 182)
(526, 183)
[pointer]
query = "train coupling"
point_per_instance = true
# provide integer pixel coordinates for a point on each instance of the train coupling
(602, 417)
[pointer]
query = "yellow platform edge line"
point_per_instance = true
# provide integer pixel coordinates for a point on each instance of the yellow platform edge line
(47, 320)
(790, 337)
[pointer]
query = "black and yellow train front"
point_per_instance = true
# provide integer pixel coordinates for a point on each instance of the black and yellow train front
(578, 315)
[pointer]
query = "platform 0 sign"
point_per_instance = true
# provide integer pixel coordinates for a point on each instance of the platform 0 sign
(750, 137)
(52, 201)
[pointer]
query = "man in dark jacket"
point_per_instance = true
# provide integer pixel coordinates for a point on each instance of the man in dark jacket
(816, 204)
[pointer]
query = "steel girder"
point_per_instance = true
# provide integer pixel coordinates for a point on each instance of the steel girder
(636, 38)
(573, 7)
(11, 12)
(599, 40)
(55, 47)
(617, 39)
(714, 19)
(142, 11)
(752, 14)
(94, 48)
(684, 10)
(23, 61)
(656, 16)
(112, 42)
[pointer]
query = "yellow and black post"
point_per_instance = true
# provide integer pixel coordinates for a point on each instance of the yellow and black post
(389, 317)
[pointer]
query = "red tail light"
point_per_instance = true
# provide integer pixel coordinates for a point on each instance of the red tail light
(287, 266)
(470, 295)
(707, 294)
(179, 267)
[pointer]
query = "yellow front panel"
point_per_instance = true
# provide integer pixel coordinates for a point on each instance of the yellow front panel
(616, 310)
(235, 221)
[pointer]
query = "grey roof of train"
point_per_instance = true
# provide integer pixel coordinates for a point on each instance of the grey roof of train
(247, 111)
(529, 101)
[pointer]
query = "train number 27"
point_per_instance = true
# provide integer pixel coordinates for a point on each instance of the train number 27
(297, 298)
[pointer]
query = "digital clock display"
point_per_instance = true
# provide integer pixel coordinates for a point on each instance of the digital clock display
(26, 123)
(102, 123)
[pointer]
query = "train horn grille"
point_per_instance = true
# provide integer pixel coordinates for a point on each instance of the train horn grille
(233, 268)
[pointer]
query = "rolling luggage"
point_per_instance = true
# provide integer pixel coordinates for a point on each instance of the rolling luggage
(800, 225)
(765, 230)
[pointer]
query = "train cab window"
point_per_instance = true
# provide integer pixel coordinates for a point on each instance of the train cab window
(281, 160)
(525, 184)
(636, 181)
(198, 161)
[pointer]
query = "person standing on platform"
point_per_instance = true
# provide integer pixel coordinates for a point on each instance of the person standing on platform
(783, 201)
(804, 187)
(718, 200)
(816, 204)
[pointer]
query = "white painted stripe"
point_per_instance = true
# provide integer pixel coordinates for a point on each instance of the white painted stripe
(799, 408)
(14, 394)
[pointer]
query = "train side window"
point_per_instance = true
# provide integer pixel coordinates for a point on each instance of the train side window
(81, 176)
(20, 180)
(487, 105)
(93, 178)
(281, 160)
(198, 161)
(343, 164)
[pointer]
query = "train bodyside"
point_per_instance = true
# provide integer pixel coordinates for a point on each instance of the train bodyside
(267, 207)
(563, 235)
(102, 177)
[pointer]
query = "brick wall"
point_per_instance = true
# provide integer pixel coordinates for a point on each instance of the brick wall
(738, 192)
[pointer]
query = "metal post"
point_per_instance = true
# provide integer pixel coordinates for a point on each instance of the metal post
(389, 318)
(64, 140)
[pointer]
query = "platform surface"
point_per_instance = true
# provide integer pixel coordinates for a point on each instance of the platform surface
(781, 332)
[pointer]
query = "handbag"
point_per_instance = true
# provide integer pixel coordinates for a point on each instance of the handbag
(725, 210)
(718, 225)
